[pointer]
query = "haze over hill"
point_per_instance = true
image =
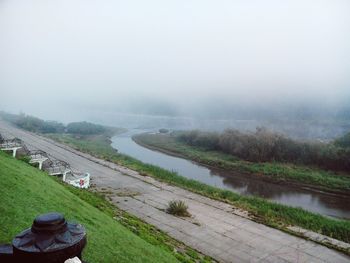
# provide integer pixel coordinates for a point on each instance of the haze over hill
(198, 60)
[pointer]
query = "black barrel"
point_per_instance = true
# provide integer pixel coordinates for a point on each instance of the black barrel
(50, 239)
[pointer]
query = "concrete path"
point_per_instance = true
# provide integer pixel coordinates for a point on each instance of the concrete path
(215, 229)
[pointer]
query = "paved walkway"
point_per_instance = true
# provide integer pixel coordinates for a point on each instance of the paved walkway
(214, 229)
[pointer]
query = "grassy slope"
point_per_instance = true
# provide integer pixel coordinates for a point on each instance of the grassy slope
(277, 172)
(27, 192)
(266, 212)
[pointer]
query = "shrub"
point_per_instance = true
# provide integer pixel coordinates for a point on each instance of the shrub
(163, 130)
(24, 158)
(343, 141)
(33, 124)
(178, 208)
(267, 146)
(85, 128)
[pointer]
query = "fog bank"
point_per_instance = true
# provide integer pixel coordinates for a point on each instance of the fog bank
(200, 59)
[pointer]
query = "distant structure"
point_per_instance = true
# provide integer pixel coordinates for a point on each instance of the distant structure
(60, 168)
(54, 167)
(11, 145)
(39, 157)
(57, 167)
(80, 180)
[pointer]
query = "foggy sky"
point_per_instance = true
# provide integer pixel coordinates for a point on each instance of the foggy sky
(68, 56)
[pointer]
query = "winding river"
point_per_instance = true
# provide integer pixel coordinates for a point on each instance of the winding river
(319, 202)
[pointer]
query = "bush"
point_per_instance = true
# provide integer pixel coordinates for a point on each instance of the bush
(267, 146)
(343, 141)
(34, 124)
(52, 127)
(24, 158)
(163, 130)
(209, 140)
(85, 128)
(178, 208)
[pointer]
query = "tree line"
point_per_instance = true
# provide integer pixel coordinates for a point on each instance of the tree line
(34, 124)
(267, 146)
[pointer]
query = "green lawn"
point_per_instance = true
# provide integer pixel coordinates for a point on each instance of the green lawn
(277, 172)
(266, 212)
(26, 192)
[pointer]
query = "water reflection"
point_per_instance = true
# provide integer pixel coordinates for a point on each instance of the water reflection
(326, 204)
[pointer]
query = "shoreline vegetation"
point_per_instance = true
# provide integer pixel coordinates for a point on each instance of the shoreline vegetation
(264, 146)
(260, 210)
(308, 177)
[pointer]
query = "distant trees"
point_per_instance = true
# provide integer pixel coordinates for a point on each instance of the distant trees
(343, 141)
(264, 145)
(29, 123)
(52, 127)
(163, 130)
(85, 128)
(34, 124)
(209, 140)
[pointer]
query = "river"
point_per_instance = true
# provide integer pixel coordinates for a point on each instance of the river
(318, 202)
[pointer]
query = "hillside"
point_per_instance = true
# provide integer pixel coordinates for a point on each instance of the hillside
(26, 192)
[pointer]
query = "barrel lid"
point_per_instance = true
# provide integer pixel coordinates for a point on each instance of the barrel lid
(50, 222)
(49, 232)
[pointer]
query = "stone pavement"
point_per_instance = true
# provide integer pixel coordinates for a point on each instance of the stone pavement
(214, 229)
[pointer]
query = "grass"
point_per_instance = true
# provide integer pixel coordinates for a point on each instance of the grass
(266, 212)
(98, 145)
(113, 235)
(273, 171)
(178, 208)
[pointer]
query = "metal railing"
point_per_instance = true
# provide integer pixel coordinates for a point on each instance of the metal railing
(11, 143)
(56, 167)
(38, 154)
(50, 165)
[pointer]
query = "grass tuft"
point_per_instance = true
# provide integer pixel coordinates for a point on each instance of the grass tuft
(178, 208)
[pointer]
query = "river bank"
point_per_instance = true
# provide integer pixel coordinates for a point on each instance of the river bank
(260, 210)
(316, 201)
(309, 178)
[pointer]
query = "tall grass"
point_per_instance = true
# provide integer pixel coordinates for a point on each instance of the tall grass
(267, 146)
(274, 171)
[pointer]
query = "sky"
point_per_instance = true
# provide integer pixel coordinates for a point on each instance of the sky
(62, 58)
